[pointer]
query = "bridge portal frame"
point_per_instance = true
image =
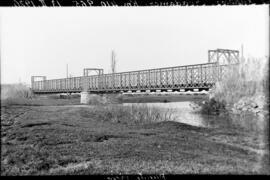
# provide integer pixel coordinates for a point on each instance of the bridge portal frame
(86, 71)
(223, 56)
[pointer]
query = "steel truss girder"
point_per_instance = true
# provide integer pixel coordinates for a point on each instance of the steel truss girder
(179, 77)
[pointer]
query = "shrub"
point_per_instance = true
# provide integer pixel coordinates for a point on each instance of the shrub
(211, 107)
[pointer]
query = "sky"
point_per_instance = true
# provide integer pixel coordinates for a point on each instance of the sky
(42, 41)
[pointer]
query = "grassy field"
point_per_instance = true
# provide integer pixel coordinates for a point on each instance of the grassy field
(79, 140)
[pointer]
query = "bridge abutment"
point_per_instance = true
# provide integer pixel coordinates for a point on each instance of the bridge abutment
(85, 97)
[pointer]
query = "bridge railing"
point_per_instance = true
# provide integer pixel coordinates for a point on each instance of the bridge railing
(191, 76)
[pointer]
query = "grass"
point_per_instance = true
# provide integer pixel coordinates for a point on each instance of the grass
(64, 140)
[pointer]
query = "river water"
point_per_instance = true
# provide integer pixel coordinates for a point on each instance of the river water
(180, 111)
(185, 112)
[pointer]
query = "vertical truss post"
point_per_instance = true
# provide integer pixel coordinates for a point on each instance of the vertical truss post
(149, 80)
(192, 75)
(201, 74)
(173, 78)
(121, 81)
(160, 76)
(167, 78)
(209, 56)
(138, 80)
(186, 76)
(129, 81)
(156, 77)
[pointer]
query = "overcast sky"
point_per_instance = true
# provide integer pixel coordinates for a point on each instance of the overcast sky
(41, 41)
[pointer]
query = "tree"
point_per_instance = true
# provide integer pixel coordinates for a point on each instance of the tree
(113, 62)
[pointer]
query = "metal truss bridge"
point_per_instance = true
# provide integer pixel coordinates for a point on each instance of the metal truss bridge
(189, 77)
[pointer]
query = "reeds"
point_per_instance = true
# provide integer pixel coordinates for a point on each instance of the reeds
(248, 79)
(15, 93)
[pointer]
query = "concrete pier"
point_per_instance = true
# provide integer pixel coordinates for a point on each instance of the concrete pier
(85, 97)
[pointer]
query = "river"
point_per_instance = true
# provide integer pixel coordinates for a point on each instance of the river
(181, 112)
(185, 112)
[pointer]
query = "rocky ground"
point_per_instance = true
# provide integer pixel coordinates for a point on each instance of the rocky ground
(255, 104)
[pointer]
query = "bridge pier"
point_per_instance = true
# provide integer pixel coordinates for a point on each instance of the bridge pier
(85, 97)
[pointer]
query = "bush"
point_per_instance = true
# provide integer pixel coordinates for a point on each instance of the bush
(212, 106)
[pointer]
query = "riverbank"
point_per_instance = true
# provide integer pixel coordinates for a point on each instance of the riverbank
(74, 140)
